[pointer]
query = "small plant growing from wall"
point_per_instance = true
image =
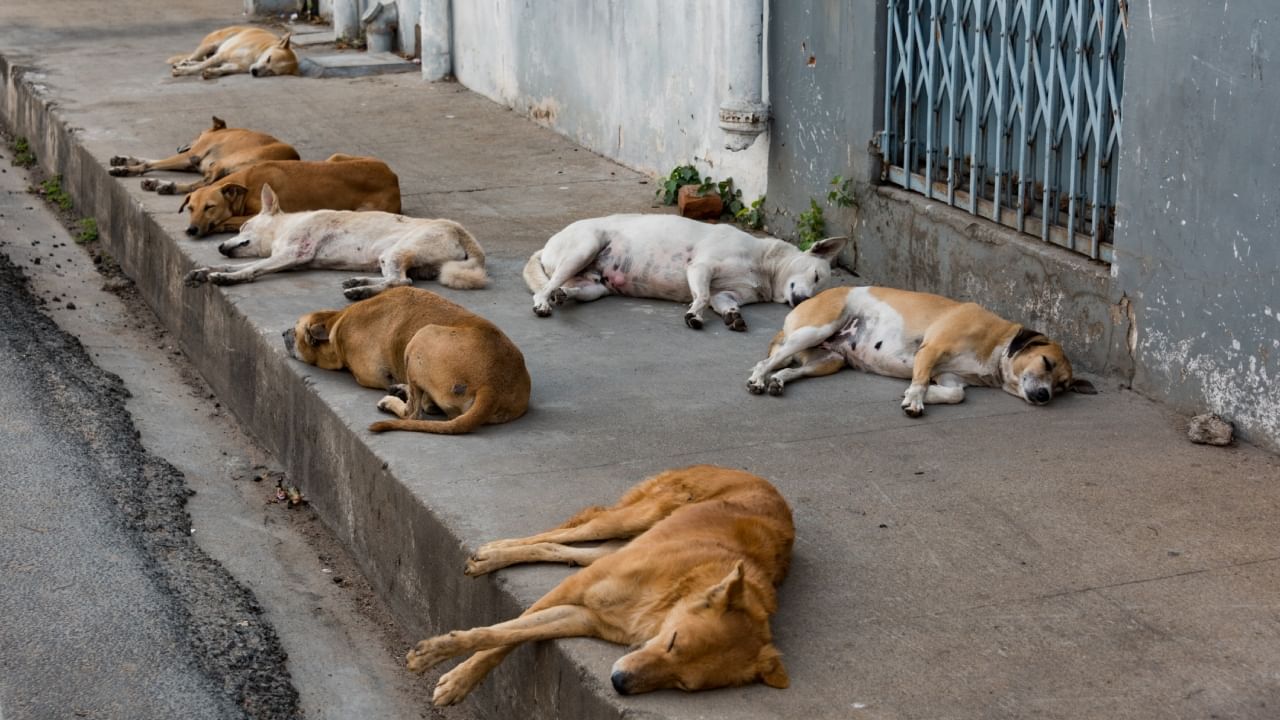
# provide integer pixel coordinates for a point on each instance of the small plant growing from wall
(841, 193)
(88, 231)
(730, 196)
(679, 177)
(811, 226)
(22, 155)
(751, 216)
(52, 191)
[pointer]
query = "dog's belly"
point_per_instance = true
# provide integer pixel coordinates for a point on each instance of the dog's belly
(873, 338)
(649, 269)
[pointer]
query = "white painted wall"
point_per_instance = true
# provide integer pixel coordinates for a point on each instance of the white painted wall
(640, 81)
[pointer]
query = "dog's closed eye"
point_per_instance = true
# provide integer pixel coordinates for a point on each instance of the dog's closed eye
(672, 644)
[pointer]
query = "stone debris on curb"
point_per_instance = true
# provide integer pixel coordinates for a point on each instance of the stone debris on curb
(1210, 429)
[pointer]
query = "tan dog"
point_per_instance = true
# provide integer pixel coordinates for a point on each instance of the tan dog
(445, 358)
(401, 247)
(238, 49)
(343, 182)
(919, 336)
(215, 153)
(692, 592)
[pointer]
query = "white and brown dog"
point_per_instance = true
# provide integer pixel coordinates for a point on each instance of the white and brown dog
(401, 247)
(668, 257)
(238, 49)
(927, 338)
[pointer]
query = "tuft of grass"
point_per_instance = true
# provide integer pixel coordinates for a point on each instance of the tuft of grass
(751, 216)
(88, 231)
(811, 226)
(53, 191)
(22, 155)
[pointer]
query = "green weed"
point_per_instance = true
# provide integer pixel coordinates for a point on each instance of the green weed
(88, 231)
(752, 216)
(22, 155)
(679, 177)
(811, 226)
(53, 191)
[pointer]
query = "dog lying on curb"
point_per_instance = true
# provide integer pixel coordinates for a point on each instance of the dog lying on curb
(215, 153)
(915, 335)
(668, 257)
(691, 592)
(238, 49)
(401, 247)
(434, 356)
(343, 182)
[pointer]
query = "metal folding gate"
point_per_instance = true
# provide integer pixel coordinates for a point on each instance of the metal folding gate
(1009, 109)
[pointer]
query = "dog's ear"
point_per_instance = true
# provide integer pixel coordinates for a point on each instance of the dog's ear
(727, 594)
(1026, 338)
(1082, 386)
(270, 203)
(317, 332)
(829, 248)
(185, 201)
(218, 123)
(772, 672)
(284, 41)
(235, 194)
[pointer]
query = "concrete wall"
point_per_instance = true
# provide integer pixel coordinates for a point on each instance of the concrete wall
(639, 81)
(1190, 311)
(1197, 239)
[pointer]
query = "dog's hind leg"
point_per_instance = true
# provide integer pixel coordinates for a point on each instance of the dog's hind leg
(725, 304)
(395, 273)
(699, 277)
(813, 363)
(569, 266)
(799, 339)
(505, 556)
(127, 166)
(456, 684)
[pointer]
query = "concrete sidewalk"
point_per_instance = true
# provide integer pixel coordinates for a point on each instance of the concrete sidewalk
(991, 560)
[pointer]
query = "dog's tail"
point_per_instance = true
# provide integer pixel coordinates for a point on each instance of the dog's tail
(468, 273)
(475, 416)
(535, 276)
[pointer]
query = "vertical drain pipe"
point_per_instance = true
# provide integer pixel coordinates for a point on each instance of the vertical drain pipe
(437, 40)
(743, 114)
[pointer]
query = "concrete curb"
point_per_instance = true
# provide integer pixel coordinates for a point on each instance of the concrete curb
(347, 481)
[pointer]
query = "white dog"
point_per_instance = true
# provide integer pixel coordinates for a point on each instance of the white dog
(402, 247)
(673, 258)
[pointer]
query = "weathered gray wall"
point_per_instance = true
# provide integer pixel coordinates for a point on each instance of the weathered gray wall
(639, 81)
(1196, 243)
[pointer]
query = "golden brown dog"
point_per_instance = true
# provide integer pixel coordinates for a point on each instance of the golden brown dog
(445, 359)
(915, 335)
(215, 153)
(238, 49)
(693, 590)
(343, 182)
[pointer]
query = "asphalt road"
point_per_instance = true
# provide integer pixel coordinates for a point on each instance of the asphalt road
(109, 609)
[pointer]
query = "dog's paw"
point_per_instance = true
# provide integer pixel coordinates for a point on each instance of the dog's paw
(755, 386)
(479, 564)
(218, 278)
(360, 293)
(558, 297)
(166, 187)
(196, 277)
(392, 404)
(734, 320)
(775, 386)
(149, 184)
(913, 402)
(543, 310)
(356, 282)
(400, 391)
(118, 160)
(454, 685)
(118, 171)
(693, 321)
(431, 652)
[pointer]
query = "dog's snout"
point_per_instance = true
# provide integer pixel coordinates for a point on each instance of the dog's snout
(1041, 396)
(796, 298)
(224, 249)
(620, 679)
(192, 230)
(253, 72)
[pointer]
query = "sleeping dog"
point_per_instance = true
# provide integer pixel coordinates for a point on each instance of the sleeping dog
(919, 336)
(401, 247)
(668, 257)
(238, 49)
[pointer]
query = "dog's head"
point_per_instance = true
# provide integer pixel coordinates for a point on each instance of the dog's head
(804, 273)
(258, 232)
(308, 340)
(1039, 369)
(278, 59)
(713, 638)
(213, 205)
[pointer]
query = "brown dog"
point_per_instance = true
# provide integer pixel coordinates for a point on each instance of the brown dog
(343, 182)
(694, 589)
(238, 49)
(445, 359)
(215, 153)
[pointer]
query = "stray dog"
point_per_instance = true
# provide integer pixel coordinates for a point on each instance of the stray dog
(238, 49)
(216, 153)
(692, 592)
(343, 182)
(401, 247)
(915, 335)
(673, 258)
(439, 355)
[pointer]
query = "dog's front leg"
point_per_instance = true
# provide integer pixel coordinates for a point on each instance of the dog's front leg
(221, 69)
(194, 68)
(927, 357)
(554, 622)
(699, 276)
(395, 272)
(251, 271)
(725, 304)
